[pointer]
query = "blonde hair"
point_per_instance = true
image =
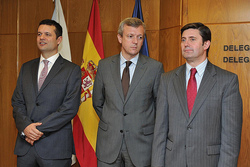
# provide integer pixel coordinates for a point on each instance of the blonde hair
(133, 22)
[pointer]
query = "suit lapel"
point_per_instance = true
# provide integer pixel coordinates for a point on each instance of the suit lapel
(140, 69)
(207, 83)
(115, 70)
(54, 70)
(35, 67)
(180, 87)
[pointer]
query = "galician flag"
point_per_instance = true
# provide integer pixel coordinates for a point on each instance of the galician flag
(85, 124)
(64, 48)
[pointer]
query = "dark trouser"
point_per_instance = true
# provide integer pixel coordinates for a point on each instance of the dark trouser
(32, 159)
(123, 159)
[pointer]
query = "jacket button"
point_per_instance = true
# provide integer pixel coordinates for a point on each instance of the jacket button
(125, 114)
(37, 104)
(121, 131)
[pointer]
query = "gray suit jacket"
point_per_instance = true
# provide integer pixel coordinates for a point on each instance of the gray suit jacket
(211, 136)
(54, 105)
(132, 118)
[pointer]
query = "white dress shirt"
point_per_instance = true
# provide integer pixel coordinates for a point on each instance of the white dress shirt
(51, 60)
(131, 67)
(199, 75)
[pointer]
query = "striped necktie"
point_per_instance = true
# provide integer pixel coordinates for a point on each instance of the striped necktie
(43, 74)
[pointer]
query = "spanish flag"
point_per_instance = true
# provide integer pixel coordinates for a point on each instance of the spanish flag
(85, 124)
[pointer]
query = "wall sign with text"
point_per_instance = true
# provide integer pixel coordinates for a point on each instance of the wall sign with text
(236, 48)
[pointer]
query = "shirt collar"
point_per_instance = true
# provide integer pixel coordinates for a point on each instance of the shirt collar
(51, 59)
(133, 60)
(200, 68)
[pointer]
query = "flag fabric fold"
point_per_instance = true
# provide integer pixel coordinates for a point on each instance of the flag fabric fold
(138, 13)
(85, 124)
(58, 16)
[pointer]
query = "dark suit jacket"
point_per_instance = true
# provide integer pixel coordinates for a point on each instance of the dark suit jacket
(132, 118)
(54, 106)
(211, 136)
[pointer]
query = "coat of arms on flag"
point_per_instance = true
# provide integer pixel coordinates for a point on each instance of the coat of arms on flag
(88, 77)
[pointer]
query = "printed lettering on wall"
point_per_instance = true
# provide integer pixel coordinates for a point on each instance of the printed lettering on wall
(236, 48)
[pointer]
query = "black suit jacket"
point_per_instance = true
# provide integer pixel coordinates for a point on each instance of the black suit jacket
(54, 106)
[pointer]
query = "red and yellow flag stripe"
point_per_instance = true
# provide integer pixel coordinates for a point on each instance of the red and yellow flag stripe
(85, 123)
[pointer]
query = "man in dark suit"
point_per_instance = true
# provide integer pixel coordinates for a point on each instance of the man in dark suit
(127, 113)
(46, 98)
(199, 113)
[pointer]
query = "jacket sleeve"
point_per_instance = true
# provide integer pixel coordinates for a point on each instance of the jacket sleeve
(19, 107)
(98, 91)
(157, 81)
(161, 126)
(231, 124)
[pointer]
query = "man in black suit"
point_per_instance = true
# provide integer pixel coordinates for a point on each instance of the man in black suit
(46, 98)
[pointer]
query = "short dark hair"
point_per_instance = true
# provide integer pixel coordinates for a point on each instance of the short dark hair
(58, 27)
(204, 31)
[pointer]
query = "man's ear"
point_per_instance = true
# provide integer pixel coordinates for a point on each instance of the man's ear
(59, 40)
(119, 37)
(206, 44)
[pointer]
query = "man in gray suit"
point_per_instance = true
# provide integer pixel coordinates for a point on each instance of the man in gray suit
(46, 98)
(205, 131)
(127, 118)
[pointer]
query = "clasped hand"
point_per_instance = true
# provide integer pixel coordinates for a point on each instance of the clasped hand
(32, 134)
